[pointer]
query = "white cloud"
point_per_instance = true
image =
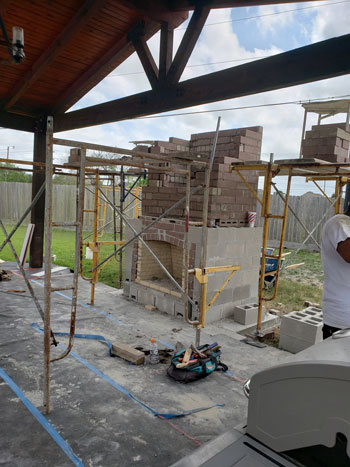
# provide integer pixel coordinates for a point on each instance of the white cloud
(331, 22)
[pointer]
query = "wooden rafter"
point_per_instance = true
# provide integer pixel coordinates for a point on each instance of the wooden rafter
(188, 43)
(86, 12)
(106, 64)
(145, 56)
(315, 62)
(165, 50)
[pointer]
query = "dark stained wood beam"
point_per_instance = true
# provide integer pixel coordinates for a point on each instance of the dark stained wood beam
(145, 56)
(188, 43)
(314, 62)
(165, 50)
(38, 212)
(89, 9)
(17, 122)
(159, 7)
(101, 68)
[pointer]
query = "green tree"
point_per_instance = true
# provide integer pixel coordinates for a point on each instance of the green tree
(13, 175)
(61, 179)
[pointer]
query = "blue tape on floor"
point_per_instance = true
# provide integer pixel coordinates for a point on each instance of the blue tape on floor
(41, 419)
(96, 310)
(124, 390)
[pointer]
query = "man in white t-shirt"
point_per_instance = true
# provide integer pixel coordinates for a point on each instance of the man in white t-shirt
(335, 252)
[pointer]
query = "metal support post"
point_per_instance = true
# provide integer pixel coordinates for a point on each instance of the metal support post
(48, 241)
(265, 210)
(114, 219)
(186, 254)
(121, 232)
(204, 239)
(280, 252)
(95, 253)
(78, 230)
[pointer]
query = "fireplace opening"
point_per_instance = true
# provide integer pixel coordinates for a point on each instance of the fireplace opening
(149, 271)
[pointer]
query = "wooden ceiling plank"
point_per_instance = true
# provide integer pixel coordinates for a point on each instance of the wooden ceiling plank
(101, 67)
(90, 8)
(315, 62)
(188, 43)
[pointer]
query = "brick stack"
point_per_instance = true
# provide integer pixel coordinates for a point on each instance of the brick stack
(230, 199)
(327, 142)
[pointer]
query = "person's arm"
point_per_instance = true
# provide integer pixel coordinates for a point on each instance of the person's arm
(343, 249)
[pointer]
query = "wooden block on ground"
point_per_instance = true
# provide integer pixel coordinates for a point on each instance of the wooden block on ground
(128, 353)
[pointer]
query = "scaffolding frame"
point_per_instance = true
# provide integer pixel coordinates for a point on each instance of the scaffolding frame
(89, 166)
(310, 169)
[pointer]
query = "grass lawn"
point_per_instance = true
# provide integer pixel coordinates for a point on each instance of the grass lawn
(295, 287)
(300, 284)
(63, 247)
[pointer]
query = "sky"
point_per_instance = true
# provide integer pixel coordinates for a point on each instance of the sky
(230, 37)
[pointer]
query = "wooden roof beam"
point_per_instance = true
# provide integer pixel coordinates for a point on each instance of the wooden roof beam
(160, 6)
(88, 10)
(314, 62)
(188, 43)
(105, 65)
(165, 50)
(149, 65)
(17, 122)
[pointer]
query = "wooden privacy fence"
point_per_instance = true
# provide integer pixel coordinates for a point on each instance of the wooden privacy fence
(15, 198)
(310, 207)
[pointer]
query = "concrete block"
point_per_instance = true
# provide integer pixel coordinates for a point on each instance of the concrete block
(165, 303)
(179, 309)
(215, 313)
(126, 290)
(305, 325)
(145, 296)
(247, 314)
(292, 344)
(133, 291)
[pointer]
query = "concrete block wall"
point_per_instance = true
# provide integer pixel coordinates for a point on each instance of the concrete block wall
(301, 329)
(230, 199)
(226, 246)
(327, 142)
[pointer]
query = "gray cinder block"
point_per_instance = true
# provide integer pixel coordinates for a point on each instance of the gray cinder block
(247, 314)
(301, 329)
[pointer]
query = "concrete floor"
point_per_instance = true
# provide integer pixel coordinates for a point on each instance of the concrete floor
(91, 410)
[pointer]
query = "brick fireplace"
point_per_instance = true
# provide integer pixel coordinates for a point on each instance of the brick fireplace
(230, 241)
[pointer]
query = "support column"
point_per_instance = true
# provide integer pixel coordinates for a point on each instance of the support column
(37, 215)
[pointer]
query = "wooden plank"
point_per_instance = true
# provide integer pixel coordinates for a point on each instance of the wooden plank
(26, 242)
(128, 353)
(318, 61)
